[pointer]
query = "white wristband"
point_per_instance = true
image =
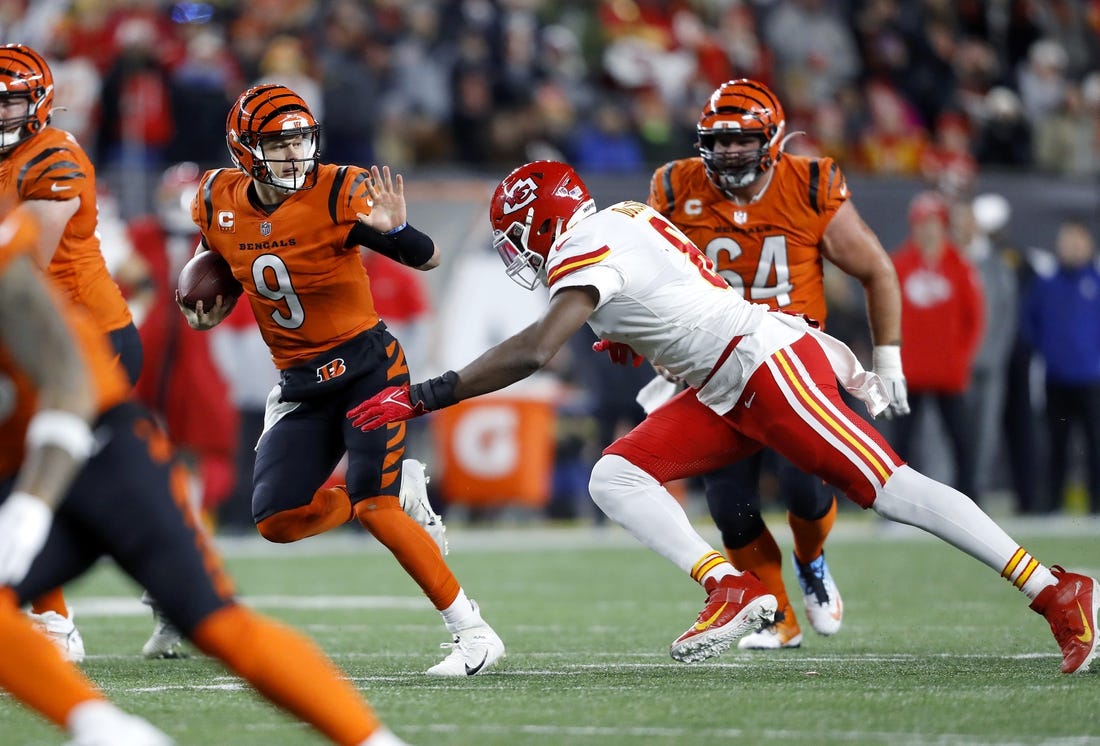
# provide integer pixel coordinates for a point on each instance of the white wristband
(65, 430)
(886, 361)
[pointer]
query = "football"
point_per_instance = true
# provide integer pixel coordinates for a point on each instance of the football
(205, 277)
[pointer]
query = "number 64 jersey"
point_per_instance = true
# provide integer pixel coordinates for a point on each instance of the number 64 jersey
(767, 249)
(660, 295)
(308, 290)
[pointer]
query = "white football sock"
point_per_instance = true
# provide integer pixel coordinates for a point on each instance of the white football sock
(638, 503)
(461, 614)
(383, 737)
(910, 497)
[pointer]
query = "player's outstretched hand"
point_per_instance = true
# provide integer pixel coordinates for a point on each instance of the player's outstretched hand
(620, 354)
(391, 404)
(24, 525)
(387, 196)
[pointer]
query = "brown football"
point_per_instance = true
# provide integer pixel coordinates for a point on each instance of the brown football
(205, 277)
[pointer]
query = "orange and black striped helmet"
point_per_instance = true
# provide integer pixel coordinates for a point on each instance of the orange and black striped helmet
(24, 74)
(266, 114)
(741, 107)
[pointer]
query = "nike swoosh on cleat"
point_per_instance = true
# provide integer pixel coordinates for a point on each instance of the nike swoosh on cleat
(1086, 636)
(700, 626)
(471, 671)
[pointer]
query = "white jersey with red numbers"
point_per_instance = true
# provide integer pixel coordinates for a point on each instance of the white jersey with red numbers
(660, 295)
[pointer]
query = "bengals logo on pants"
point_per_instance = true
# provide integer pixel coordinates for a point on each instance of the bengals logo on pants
(330, 370)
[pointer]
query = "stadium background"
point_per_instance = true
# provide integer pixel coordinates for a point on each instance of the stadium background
(962, 97)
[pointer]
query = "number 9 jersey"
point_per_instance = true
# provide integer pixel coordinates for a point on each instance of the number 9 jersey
(307, 288)
(766, 249)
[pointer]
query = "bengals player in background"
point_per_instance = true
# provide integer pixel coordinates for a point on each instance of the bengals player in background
(768, 220)
(70, 494)
(47, 171)
(291, 229)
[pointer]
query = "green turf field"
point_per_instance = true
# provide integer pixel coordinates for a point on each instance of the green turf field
(935, 649)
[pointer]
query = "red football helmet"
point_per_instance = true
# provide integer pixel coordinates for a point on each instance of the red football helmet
(741, 107)
(530, 209)
(24, 75)
(267, 115)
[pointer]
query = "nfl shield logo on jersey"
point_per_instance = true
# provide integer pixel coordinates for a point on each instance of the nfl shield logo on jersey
(265, 228)
(740, 216)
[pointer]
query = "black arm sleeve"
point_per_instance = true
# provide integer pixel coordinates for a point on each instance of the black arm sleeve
(408, 246)
(435, 393)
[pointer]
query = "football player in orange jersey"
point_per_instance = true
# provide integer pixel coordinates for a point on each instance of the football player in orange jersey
(768, 220)
(46, 170)
(291, 229)
(85, 472)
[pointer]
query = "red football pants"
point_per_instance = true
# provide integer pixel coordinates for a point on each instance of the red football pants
(791, 404)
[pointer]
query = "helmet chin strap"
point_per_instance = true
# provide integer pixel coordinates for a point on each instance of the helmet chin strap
(292, 184)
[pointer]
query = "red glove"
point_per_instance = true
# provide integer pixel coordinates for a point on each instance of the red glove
(620, 353)
(391, 404)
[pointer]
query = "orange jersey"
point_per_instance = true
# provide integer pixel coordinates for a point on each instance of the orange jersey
(308, 291)
(51, 165)
(767, 250)
(17, 235)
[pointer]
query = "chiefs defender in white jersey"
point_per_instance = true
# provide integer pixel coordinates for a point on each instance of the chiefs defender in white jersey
(757, 379)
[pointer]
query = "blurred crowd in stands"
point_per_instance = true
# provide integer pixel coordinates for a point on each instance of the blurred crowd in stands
(930, 90)
(927, 87)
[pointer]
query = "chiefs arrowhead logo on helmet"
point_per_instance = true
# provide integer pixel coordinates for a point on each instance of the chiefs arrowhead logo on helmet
(519, 195)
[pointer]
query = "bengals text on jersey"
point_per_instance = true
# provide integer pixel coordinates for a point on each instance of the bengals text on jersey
(767, 249)
(308, 291)
(51, 165)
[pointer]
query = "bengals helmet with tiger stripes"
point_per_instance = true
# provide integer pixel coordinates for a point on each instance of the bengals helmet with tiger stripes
(24, 75)
(747, 107)
(265, 114)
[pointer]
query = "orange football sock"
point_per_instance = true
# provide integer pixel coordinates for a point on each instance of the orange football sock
(330, 507)
(762, 556)
(50, 601)
(288, 669)
(412, 546)
(809, 536)
(33, 670)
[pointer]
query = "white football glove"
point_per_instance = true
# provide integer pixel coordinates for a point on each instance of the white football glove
(886, 361)
(414, 501)
(24, 525)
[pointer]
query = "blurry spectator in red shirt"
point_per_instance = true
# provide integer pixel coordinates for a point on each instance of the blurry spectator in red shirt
(947, 164)
(894, 140)
(941, 328)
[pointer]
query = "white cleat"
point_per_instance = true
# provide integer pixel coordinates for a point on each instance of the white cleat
(62, 632)
(782, 633)
(414, 501)
(824, 607)
(166, 641)
(99, 723)
(475, 650)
